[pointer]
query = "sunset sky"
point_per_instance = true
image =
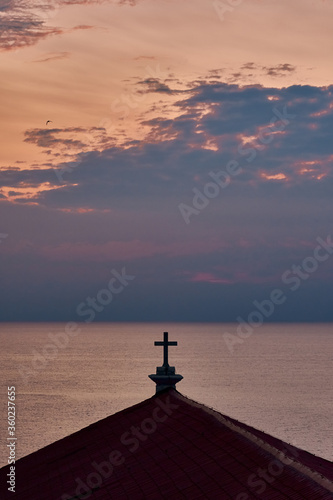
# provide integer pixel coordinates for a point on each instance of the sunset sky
(149, 101)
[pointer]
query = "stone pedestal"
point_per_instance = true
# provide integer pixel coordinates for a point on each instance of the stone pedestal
(165, 377)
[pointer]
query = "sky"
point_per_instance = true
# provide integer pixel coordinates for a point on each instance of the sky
(166, 160)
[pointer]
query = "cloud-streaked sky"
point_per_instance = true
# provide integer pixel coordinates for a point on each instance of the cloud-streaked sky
(149, 102)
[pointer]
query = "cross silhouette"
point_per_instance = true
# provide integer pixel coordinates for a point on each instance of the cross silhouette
(165, 345)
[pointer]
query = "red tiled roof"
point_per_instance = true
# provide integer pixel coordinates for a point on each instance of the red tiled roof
(170, 447)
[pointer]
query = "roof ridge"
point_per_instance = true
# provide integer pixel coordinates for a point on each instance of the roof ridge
(275, 452)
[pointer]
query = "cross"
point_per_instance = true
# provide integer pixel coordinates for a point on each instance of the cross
(165, 345)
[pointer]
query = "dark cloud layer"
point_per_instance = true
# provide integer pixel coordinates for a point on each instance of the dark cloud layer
(270, 132)
(119, 205)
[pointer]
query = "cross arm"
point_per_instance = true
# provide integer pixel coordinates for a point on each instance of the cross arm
(161, 343)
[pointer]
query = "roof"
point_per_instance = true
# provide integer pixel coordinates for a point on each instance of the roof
(171, 447)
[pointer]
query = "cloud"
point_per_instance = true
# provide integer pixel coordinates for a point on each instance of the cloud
(83, 27)
(53, 56)
(20, 29)
(46, 138)
(250, 71)
(279, 69)
(249, 65)
(24, 23)
(68, 142)
(154, 85)
(247, 73)
(32, 177)
(215, 123)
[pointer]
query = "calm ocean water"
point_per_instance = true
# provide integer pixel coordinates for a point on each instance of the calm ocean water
(278, 380)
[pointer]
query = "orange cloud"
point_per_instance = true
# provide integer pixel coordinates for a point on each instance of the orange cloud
(274, 177)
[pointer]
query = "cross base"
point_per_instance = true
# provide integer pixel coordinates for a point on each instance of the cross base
(163, 379)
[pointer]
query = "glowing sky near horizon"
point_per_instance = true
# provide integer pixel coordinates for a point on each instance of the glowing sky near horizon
(146, 98)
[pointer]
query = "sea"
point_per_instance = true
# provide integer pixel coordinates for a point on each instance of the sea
(277, 377)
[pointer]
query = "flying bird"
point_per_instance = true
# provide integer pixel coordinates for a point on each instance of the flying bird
(49, 121)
